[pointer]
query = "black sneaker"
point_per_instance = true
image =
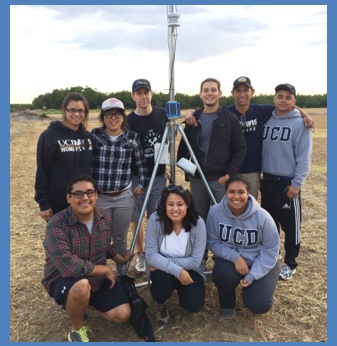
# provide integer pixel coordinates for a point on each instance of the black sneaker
(227, 313)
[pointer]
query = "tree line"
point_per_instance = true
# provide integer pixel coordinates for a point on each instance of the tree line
(53, 100)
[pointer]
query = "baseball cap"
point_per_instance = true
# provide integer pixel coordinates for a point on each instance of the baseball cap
(286, 86)
(141, 83)
(242, 80)
(112, 103)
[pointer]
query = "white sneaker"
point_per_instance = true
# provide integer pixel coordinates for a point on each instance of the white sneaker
(140, 263)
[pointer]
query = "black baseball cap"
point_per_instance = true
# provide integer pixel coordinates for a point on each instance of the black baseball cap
(141, 83)
(242, 80)
(287, 87)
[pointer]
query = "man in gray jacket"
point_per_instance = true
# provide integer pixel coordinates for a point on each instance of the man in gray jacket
(286, 157)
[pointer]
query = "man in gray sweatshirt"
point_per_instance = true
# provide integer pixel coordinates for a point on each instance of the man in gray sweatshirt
(286, 157)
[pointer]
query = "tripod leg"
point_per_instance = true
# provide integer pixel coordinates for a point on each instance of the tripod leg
(181, 130)
(147, 196)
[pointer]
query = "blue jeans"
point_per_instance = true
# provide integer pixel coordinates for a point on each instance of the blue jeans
(191, 297)
(257, 297)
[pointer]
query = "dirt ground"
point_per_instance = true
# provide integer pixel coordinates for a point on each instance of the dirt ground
(300, 306)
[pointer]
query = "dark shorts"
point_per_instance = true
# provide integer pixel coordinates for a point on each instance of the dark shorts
(102, 300)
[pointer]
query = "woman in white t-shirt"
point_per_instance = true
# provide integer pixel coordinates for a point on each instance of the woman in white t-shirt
(175, 242)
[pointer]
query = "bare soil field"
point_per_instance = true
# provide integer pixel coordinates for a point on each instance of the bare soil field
(300, 305)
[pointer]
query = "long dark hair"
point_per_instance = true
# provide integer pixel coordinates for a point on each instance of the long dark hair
(191, 216)
(75, 96)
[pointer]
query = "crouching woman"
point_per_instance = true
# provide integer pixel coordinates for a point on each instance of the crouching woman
(244, 239)
(175, 242)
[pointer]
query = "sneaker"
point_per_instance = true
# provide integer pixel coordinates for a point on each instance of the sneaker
(140, 263)
(227, 313)
(162, 316)
(78, 335)
(286, 273)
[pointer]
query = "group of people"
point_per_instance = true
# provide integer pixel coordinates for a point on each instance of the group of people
(90, 188)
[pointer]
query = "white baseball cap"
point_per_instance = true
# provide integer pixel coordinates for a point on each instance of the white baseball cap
(111, 104)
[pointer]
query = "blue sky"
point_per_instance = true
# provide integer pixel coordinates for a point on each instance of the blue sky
(229, 73)
(111, 46)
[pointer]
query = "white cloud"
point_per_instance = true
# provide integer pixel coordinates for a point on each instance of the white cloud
(108, 47)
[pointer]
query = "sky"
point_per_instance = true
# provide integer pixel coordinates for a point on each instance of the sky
(107, 47)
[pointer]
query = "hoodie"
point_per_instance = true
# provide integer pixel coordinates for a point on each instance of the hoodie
(61, 153)
(287, 147)
(252, 235)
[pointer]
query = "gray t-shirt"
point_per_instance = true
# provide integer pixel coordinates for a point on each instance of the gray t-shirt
(206, 120)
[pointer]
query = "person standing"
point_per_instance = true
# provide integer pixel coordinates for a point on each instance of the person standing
(149, 122)
(252, 117)
(115, 150)
(218, 144)
(244, 239)
(175, 242)
(63, 149)
(77, 245)
(286, 157)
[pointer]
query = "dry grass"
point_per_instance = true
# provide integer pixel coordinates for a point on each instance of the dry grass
(299, 312)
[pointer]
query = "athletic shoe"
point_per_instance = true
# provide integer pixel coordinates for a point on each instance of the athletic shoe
(140, 263)
(286, 273)
(78, 335)
(162, 316)
(227, 313)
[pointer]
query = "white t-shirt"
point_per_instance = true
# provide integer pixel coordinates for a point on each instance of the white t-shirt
(89, 225)
(175, 245)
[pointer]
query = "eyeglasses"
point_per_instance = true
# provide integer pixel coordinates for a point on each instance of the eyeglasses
(117, 115)
(80, 194)
(74, 111)
(173, 187)
(243, 122)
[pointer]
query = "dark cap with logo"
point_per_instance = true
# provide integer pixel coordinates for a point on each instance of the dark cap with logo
(141, 83)
(242, 80)
(287, 87)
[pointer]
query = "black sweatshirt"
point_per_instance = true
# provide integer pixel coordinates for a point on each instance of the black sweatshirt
(61, 153)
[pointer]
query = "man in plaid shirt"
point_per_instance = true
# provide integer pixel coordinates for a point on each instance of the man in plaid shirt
(77, 245)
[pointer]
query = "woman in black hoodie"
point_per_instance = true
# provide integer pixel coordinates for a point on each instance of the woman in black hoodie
(63, 150)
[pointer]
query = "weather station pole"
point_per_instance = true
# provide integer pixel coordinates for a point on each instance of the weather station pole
(172, 107)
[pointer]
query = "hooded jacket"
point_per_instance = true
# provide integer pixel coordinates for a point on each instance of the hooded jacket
(252, 235)
(227, 146)
(287, 147)
(61, 153)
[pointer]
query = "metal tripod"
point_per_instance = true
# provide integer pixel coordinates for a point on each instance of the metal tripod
(170, 132)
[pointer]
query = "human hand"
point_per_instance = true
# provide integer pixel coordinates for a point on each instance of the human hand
(241, 266)
(111, 275)
(222, 180)
(190, 119)
(185, 278)
(152, 269)
(308, 120)
(244, 283)
(292, 191)
(138, 191)
(46, 214)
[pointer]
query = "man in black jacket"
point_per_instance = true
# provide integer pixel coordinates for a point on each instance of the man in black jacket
(218, 144)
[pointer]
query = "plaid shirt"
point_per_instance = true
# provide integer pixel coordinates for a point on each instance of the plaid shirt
(71, 251)
(111, 160)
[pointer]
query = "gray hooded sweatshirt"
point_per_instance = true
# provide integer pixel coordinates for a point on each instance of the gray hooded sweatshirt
(252, 235)
(287, 147)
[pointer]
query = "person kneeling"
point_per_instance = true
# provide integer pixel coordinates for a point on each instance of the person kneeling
(77, 245)
(175, 242)
(244, 239)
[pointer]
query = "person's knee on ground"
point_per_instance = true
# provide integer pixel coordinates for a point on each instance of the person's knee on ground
(119, 314)
(258, 307)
